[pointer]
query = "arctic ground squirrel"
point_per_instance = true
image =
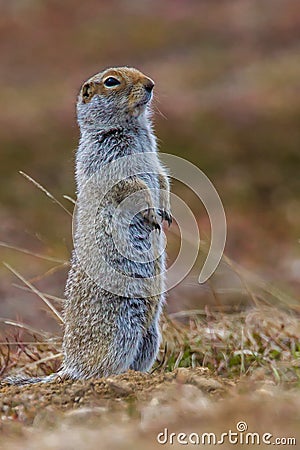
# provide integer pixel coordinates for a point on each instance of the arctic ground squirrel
(115, 287)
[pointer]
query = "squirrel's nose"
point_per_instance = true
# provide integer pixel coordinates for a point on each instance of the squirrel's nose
(149, 85)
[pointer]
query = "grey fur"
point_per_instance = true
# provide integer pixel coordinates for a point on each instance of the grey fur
(107, 333)
(104, 333)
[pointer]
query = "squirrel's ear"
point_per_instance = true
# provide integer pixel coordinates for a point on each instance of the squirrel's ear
(87, 91)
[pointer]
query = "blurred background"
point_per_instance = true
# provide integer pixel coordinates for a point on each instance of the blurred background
(227, 98)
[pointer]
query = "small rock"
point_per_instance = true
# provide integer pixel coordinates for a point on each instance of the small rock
(183, 375)
(120, 388)
(206, 384)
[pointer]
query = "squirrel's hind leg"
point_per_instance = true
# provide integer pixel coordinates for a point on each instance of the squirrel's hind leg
(130, 323)
(147, 350)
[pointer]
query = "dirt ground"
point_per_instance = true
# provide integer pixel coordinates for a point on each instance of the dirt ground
(130, 411)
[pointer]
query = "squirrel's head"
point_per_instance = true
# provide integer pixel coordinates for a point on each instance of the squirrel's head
(115, 96)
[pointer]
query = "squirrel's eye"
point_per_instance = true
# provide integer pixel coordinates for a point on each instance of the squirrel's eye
(111, 81)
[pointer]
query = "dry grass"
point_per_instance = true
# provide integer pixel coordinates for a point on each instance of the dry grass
(262, 341)
(259, 342)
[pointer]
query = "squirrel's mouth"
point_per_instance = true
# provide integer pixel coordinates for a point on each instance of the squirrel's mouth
(140, 103)
(147, 97)
(139, 108)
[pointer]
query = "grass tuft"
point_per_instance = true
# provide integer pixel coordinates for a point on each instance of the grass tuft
(259, 340)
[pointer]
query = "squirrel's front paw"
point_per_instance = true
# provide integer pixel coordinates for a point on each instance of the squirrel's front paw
(165, 215)
(150, 216)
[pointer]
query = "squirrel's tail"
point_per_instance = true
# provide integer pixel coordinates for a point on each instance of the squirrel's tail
(22, 380)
